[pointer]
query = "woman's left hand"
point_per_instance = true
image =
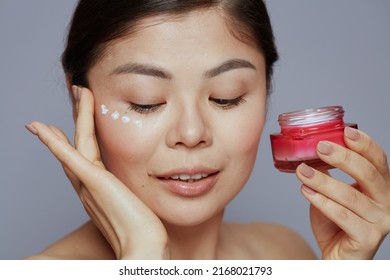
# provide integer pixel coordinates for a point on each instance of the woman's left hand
(349, 221)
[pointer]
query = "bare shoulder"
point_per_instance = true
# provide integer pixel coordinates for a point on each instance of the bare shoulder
(85, 243)
(267, 241)
(283, 242)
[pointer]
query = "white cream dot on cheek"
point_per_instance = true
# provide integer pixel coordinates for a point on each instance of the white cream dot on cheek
(115, 116)
(125, 119)
(104, 110)
(138, 123)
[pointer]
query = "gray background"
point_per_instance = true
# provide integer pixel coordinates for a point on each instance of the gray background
(332, 52)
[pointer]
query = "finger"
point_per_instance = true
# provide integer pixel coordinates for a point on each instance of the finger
(322, 227)
(61, 136)
(85, 138)
(63, 151)
(59, 133)
(360, 168)
(101, 184)
(339, 192)
(84, 171)
(71, 176)
(364, 145)
(332, 210)
(362, 238)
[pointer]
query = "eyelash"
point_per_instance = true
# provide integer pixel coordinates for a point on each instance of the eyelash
(144, 108)
(224, 104)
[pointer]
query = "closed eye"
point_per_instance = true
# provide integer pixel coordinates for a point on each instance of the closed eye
(228, 103)
(145, 108)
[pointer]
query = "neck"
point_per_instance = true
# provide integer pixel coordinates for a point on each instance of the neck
(195, 242)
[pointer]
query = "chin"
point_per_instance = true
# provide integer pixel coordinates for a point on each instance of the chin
(185, 222)
(189, 216)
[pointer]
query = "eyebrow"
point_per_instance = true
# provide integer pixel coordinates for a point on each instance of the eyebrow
(142, 69)
(157, 72)
(228, 66)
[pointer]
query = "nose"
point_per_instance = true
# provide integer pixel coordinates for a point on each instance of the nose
(190, 129)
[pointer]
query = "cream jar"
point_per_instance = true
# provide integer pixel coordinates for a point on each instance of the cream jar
(300, 133)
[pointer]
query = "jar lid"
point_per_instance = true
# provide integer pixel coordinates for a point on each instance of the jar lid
(311, 116)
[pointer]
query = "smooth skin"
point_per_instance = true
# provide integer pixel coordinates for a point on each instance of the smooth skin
(134, 217)
(106, 236)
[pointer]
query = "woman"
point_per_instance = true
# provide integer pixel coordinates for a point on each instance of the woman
(169, 103)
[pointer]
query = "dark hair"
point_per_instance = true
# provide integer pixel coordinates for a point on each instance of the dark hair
(97, 22)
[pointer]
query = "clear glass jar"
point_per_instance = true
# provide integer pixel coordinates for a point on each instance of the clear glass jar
(300, 133)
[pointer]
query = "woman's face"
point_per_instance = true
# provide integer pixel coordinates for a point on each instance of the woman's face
(180, 107)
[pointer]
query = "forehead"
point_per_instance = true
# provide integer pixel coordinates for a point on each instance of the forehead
(168, 38)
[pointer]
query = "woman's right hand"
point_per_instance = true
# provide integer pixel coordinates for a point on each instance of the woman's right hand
(131, 228)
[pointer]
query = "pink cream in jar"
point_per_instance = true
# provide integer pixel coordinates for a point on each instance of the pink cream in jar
(300, 133)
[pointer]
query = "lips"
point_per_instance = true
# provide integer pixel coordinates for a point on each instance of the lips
(189, 183)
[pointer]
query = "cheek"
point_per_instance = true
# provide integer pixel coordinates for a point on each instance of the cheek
(123, 143)
(241, 140)
(244, 133)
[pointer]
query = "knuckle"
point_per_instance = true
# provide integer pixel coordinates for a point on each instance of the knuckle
(343, 214)
(322, 202)
(370, 145)
(323, 180)
(371, 173)
(352, 196)
(382, 158)
(346, 157)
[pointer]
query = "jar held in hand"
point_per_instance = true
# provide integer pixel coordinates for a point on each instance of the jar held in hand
(300, 133)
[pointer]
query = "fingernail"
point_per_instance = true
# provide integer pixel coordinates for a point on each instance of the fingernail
(306, 170)
(76, 93)
(31, 128)
(325, 148)
(352, 133)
